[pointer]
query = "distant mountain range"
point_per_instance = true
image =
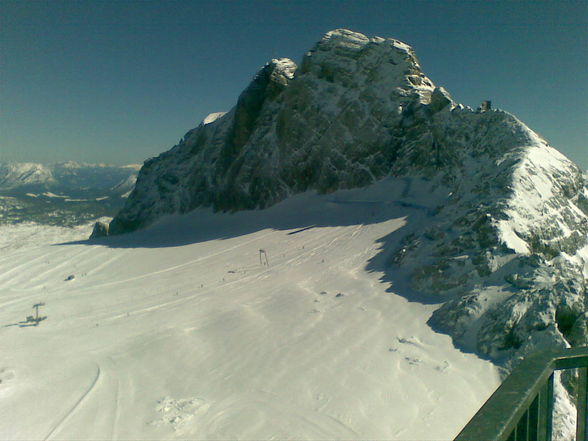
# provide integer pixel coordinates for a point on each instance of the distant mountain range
(68, 178)
(66, 193)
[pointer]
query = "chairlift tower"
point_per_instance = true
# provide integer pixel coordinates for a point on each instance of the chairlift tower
(36, 318)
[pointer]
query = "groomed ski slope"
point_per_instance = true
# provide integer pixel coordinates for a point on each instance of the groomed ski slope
(178, 331)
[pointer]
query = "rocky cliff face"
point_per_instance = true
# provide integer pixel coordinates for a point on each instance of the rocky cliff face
(506, 250)
(338, 121)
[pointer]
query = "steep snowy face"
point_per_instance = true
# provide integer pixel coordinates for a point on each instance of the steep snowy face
(507, 249)
(543, 231)
(333, 123)
(354, 61)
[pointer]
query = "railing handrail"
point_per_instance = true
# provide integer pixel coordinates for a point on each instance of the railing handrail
(499, 416)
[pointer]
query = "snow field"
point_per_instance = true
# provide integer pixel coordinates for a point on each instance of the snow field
(178, 332)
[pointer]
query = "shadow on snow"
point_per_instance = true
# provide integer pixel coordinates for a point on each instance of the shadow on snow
(300, 213)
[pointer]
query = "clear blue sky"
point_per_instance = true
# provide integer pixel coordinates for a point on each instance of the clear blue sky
(120, 81)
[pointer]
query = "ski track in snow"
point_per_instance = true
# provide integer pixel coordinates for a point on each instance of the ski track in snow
(61, 423)
(42, 275)
(18, 267)
(19, 299)
(182, 265)
(56, 269)
(115, 402)
(261, 273)
(101, 404)
(114, 258)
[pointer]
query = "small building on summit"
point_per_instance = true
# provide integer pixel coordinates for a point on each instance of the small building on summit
(485, 106)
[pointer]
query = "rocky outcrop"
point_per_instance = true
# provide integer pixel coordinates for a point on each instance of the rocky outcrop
(334, 122)
(100, 230)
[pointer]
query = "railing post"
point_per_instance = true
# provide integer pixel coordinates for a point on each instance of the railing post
(545, 410)
(533, 422)
(550, 407)
(581, 404)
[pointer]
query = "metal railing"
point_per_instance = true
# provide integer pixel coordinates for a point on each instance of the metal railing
(521, 409)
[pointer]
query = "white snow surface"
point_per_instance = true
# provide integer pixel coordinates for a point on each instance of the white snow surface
(179, 332)
(212, 117)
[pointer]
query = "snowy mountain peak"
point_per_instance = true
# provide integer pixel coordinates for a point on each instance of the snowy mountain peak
(68, 177)
(70, 164)
(270, 80)
(283, 70)
(337, 121)
(350, 42)
(16, 174)
(353, 60)
(503, 211)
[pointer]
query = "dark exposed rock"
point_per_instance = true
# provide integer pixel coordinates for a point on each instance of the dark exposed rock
(100, 230)
(332, 124)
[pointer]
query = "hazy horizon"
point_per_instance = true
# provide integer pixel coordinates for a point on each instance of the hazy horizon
(119, 82)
